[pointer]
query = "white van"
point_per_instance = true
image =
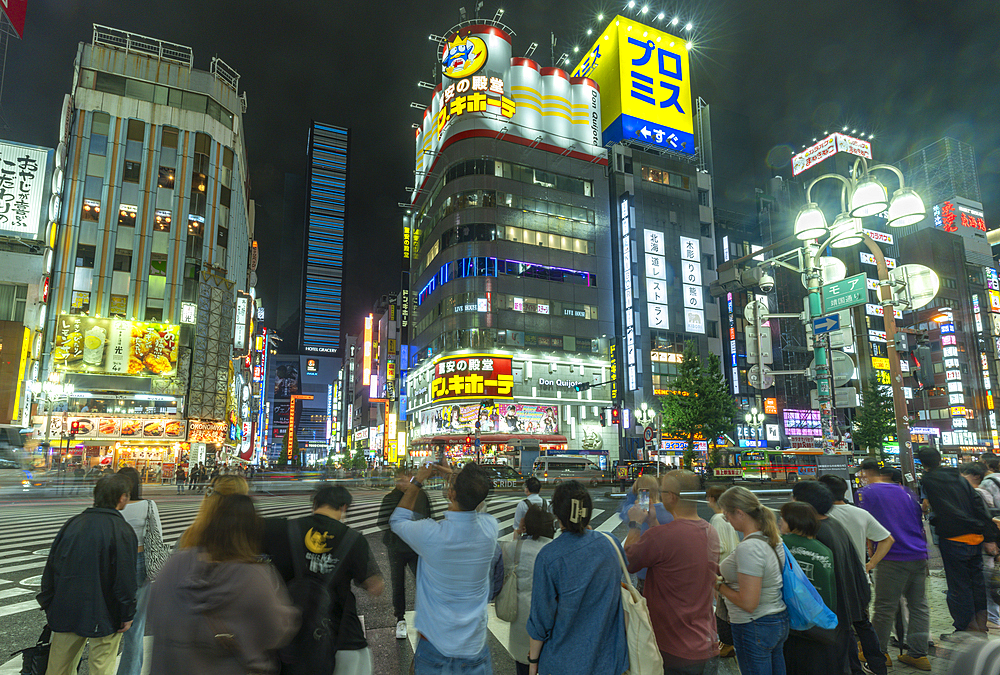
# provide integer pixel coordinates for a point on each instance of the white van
(556, 469)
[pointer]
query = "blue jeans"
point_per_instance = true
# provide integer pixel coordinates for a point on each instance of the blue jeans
(963, 570)
(429, 661)
(132, 645)
(760, 644)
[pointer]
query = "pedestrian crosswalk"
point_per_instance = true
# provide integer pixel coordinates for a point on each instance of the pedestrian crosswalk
(27, 531)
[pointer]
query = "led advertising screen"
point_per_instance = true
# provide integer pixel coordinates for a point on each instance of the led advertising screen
(86, 344)
(504, 418)
(645, 84)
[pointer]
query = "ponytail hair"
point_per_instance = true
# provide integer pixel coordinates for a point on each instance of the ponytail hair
(741, 499)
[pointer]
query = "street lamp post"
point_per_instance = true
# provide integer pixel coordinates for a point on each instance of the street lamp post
(866, 196)
(755, 420)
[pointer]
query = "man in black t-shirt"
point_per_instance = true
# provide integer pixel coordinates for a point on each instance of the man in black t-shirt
(322, 534)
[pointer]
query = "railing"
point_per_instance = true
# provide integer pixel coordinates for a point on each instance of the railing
(140, 44)
(223, 71)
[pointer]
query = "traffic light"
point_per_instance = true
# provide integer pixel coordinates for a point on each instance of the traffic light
(468, 440)
(616, 416)
(925, 366)
(604, 420)
(902, 343)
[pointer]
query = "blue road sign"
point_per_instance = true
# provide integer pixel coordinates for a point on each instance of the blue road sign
(826, 324)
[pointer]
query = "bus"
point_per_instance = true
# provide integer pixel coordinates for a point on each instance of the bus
(780, 464)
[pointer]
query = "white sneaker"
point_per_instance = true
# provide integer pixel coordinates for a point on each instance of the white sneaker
(401, 630)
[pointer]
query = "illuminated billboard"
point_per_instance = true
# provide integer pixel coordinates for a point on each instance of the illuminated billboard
(366, 366)
(24, 189)
(486, 92)
(86, 344)
(504, 418)
(472, 376)
(645, 83)
(829, 147)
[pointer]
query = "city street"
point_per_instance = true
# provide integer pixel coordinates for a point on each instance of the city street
(28, 527)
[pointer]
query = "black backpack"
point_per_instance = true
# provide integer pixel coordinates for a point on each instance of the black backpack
(314, 647)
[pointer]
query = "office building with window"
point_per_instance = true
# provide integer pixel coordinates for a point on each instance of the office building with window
(152, 243)
(326, 215)
(510, 258)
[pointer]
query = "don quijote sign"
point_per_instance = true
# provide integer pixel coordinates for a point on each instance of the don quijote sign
(567, 384)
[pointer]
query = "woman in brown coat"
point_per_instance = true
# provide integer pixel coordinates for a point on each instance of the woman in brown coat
(219, 589)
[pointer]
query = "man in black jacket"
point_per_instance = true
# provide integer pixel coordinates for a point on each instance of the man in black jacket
(89, 586)
(401, 555)
(962, 525)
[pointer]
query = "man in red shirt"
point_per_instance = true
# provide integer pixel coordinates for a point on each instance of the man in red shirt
(682, 562)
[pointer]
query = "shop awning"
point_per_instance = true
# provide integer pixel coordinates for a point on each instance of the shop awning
(459, 439)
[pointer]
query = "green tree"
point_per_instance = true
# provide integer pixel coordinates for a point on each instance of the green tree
(875, 419)
(700, 402)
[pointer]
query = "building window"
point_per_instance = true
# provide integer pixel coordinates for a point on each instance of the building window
(166, 178)
(91, 210)
(123, 260)
(85, 254)
(13, 299)
(118, 306)
(223, 237)
(131, 171)
(161, 222)
(80, 303)
(703, 197)
(126, 215)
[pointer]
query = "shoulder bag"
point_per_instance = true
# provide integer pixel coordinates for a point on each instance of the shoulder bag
(507, 598)
(644, 656)
(152, 544)
(806, 608)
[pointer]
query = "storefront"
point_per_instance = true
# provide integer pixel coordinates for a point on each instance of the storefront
(151, 444)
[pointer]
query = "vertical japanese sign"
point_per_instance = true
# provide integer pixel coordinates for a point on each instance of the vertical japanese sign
(472, 376)
(694, 303)
(953, 375)
(23, 174)
(656, 280)
(613, 353)
(625, 221)
(366, 353)
(645, 85)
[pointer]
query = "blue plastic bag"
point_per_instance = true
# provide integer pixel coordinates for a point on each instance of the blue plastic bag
(805, 608)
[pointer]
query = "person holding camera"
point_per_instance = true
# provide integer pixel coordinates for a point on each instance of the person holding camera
(453, 579)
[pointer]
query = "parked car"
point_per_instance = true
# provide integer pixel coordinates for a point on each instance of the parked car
(553, 470)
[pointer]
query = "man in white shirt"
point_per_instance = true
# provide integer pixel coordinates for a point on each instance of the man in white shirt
(532, 486)
(860, 524)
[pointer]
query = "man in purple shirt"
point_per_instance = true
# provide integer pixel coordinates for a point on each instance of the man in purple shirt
(903, 570)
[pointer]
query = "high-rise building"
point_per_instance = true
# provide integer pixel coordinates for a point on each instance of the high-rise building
(510, 257)
(150, 298)
(326, 215)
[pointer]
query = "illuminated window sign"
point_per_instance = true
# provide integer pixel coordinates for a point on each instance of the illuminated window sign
(312, 367)
(472, 376)
(802, 422)
(657, 312)
(694, 304)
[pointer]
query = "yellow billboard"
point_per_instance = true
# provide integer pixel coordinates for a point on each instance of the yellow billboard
(645, 82)
(88, 344)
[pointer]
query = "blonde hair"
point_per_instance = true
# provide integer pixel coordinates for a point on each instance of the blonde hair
(741, 499)
(223, 486)
(645, 482)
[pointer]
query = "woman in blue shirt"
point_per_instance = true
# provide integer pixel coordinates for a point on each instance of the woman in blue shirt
(577, 625)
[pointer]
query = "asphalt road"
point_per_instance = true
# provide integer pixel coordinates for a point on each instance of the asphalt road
(28, 527)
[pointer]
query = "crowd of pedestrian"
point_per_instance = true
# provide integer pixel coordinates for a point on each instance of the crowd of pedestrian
(241, 593)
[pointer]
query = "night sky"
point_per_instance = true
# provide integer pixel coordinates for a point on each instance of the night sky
(909, 71)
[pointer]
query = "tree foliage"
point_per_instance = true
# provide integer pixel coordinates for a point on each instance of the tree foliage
(701, 402)
(875, 419)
